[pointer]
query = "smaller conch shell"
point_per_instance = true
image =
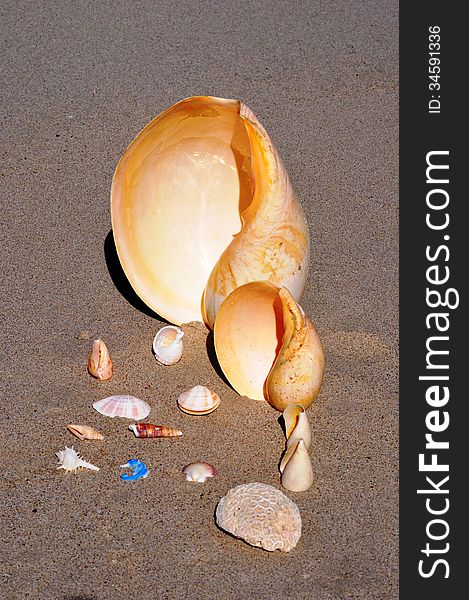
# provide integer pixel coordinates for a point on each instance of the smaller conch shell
(266, 346)
(148, 430)
(297, 373)
(296, 425)
(85, 432)
(99, 361)
(168, 345)
(297, 471)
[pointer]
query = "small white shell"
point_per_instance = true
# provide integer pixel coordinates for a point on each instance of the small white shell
(296, 425)
(128, 407)
(297, 471)
(199, 400)
(199, 471)
(70, 460)
(167, 345)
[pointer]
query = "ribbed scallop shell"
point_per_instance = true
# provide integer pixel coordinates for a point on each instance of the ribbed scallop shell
(199, 400)
(128, 407)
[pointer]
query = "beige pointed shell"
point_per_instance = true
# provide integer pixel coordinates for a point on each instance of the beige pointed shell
(99, 361)
(267, 348)
(201, 204)
(85, 432)
(296, 425)
(199, 400)
(297, 470)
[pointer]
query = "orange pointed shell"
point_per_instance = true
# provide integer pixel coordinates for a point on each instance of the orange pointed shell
(148, 430)
(99, 361)
(201, 204)
(199, 400)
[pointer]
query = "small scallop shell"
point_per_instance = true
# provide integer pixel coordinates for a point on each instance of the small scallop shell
(199, 471)
(168, 345)
(128, 407)
(85, 432)
(199, 400)
(99, 361)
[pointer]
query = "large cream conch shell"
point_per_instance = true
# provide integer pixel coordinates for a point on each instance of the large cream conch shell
(201, 204)
(266, 346)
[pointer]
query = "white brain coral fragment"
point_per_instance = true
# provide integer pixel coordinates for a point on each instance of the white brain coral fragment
(260, 515)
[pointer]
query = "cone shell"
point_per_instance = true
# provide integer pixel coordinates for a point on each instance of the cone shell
(201, 204)
(267, 348)
(99, 361)
(296, 425)
(199, 400)
(128, 407)
(85, 432)
(297, 473)
(168, 345)
(148, 430)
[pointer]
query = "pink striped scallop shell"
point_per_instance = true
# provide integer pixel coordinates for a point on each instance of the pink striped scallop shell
(128, 407)
(199, 400)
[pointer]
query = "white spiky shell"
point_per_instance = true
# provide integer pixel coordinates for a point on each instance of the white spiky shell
(168, 345)
(70, 460)
(199, 400)
(128, 407)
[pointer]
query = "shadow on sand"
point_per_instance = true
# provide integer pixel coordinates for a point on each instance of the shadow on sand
(121, 282)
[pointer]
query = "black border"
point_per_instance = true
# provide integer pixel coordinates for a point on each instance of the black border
(421, 132)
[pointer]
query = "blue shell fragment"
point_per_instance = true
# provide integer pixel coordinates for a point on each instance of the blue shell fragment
(139, 470)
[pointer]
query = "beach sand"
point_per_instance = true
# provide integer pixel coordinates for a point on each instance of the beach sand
(79, 81)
